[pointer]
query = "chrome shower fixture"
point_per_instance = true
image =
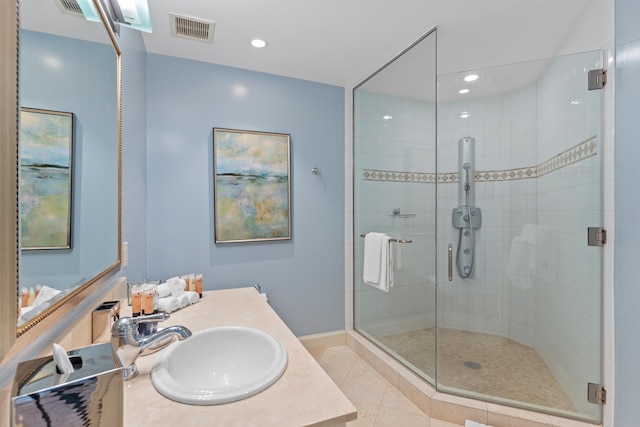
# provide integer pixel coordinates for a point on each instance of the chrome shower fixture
(465, 217)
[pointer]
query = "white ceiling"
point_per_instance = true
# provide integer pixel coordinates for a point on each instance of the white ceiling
(341, 42)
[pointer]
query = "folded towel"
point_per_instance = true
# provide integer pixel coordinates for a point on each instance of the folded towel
(163, 290)
(193, 297)
(372, 250)
(515, 261)
(168, 304)
(377, 266)
(183, 300)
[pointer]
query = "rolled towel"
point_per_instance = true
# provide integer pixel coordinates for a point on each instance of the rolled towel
(45, 294)
(176, 286)
(193, 297)
(163, 290)
(183, 300)
(168, 304)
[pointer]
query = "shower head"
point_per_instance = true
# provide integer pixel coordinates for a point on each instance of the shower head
(466, 166)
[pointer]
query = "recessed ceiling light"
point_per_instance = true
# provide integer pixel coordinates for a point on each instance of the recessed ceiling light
(463, 91)
(471, 78)
(258, 43)
(464, 115)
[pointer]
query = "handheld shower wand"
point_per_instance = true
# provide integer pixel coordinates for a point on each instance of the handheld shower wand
(467, 185)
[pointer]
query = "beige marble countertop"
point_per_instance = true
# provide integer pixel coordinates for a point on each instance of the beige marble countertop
(303, 396)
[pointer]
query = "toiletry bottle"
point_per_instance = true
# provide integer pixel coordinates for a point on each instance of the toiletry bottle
(199, 284)
(24, 301)
(156, 297)
(32, 296)
(38, 287)
(185, 277)
(192, 282)
(149, 306)
(147, 300)
(136, 301)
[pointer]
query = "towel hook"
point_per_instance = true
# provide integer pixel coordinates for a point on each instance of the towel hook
(315, 171)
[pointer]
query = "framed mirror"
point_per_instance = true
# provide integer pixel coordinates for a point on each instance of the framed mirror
(70, 155)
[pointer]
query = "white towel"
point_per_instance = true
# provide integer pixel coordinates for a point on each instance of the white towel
(183, 300)
(176, 286)
(193, 297)
(45, 294)
(163, 290)
(372, 250)
(377, 266)
(168, 304)
(515, 261)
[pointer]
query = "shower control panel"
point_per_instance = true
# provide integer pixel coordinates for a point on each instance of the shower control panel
(460, 217)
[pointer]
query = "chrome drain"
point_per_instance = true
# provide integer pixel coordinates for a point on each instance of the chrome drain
(472, 365)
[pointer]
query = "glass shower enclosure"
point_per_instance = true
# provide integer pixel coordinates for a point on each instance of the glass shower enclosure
(491, 291)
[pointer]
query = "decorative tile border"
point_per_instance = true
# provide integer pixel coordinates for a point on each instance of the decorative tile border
(582, 151)
(391, 176)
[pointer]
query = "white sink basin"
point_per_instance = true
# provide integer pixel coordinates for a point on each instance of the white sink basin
(219, 365)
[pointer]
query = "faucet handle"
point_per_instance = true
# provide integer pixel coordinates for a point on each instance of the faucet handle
(129, 325)
(158, 317)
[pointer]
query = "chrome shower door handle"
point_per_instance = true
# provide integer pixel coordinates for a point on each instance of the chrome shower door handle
(450, 257)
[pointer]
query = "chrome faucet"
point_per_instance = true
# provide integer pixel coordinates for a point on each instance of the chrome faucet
(129, 344)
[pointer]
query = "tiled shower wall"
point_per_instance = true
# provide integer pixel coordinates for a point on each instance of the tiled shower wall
(394, 134)
(504, 128)
(535, 147)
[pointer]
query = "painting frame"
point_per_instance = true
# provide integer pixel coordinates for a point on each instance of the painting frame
(251, 186)
(46, 179)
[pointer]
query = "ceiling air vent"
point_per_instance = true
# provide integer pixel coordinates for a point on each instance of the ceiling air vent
(186, 27)
(70, 7)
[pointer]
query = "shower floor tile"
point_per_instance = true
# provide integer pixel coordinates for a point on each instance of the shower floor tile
(482, 363)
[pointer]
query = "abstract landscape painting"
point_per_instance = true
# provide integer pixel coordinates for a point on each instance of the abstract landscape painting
(46, 139)
(251, 186)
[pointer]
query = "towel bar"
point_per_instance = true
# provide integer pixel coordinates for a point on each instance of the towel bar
(395, 240)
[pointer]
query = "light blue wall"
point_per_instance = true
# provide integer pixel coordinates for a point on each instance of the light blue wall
(304, 277)
(627, 208)
(134, 153)
(59, 73)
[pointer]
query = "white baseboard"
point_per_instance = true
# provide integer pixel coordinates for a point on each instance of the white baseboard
(324, 340)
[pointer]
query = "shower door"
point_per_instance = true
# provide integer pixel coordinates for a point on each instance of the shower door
(394, 193)
(519, 159)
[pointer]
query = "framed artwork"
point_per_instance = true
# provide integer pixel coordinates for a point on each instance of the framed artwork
(252, 186)
(46, 157)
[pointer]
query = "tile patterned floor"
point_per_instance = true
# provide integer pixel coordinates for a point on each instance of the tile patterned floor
(379, 403)
(507, 369)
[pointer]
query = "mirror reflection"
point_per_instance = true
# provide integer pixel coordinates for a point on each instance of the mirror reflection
(68, 68)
